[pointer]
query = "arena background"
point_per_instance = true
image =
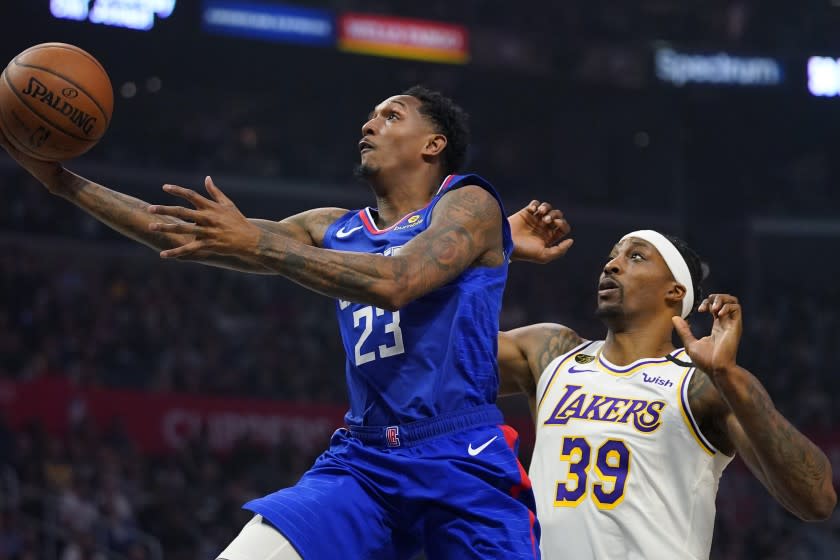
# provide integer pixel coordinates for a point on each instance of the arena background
(142, 402)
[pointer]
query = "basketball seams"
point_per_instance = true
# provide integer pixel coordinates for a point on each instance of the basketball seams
(66, 47)
(41, 117)
(69, 81)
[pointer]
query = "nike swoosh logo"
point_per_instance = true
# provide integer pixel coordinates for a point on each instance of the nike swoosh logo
(341, 234)
(480, 448)
(574, 369)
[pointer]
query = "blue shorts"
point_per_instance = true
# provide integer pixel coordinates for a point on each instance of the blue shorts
(446, 485)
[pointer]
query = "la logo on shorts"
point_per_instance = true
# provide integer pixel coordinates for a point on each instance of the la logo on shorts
(392, 436)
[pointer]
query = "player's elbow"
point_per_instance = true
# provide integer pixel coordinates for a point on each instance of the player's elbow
(396, 294)
(393, 298)
(822, 508)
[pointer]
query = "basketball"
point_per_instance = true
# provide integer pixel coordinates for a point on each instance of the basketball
(56, 101)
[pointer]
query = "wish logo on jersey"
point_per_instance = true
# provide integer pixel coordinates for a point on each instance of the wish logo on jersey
(646, 416)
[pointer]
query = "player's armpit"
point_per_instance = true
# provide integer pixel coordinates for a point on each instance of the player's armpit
(538, 345)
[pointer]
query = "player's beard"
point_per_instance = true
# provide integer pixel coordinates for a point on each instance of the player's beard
(609, 312)
(364, 171)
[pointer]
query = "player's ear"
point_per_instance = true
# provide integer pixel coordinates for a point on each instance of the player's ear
(675, 294)
(435, 144)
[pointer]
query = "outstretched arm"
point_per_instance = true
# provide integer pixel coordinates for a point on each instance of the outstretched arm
(465, 230)
(130, 216)
(790, 466)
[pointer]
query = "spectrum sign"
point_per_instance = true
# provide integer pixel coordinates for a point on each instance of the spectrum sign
(403, 38)
(681, 68)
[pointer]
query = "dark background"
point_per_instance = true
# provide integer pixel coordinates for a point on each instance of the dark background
(565, 106)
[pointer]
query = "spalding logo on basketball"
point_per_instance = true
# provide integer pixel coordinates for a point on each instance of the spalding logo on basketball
(56, 101)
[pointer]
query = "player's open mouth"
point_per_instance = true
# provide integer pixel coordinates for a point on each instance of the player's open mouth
(607, 287)
(364, 146)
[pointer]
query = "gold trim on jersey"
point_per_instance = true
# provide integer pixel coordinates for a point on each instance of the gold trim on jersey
(605, 366)
(688, 417)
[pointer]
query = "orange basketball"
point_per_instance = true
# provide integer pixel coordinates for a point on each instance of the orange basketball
(56, 101)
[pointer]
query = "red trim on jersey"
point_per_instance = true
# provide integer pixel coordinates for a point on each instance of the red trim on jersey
(446, 183)
(532, 519)
(367, 219)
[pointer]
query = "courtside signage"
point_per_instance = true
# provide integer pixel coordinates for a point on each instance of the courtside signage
(133, 14)
(270, 22)
(403, 38)
(682, 68)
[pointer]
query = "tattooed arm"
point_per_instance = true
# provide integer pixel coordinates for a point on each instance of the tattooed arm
(524, 353)
(739, 415)
(465, 230)
(130, 217)
(788, 464)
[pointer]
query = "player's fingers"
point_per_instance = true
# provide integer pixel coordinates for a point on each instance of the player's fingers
(719, 300)
(683, 330)
(562, 227)
(532, 206)
(215, 192)
(187, 194)
(557, 251)
(183, 227)
(552, 215)
(543, 209)
(187, 214)
(184, 250)
(730, 309)
(556, 214)
(704, 306)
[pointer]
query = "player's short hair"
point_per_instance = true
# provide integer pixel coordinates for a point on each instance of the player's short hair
(449, 119)
(696, 268)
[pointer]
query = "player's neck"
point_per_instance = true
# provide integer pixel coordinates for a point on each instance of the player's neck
(634, 342)
(401, 193)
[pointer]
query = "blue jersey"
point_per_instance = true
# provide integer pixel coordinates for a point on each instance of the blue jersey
(436, 355)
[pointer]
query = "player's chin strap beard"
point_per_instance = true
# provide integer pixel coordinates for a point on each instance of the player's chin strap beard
(674, 260)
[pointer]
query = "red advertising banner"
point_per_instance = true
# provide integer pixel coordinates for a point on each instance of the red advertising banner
(403, 38)
(162, 422)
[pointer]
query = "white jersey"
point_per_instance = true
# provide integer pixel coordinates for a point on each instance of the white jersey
(620, 468)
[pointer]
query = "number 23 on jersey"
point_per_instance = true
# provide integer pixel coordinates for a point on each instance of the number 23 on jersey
(364, 318)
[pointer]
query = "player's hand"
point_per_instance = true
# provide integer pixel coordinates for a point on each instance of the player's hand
(538, 231)
(716, 353)
(45, 171)
(216, 224)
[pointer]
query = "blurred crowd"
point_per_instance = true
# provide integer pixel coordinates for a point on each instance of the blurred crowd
(645, 152)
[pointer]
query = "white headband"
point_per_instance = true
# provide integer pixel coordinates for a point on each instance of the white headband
(675, 261)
